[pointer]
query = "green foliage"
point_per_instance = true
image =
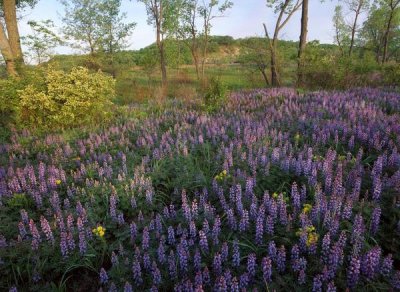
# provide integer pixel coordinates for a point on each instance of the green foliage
(42, 40)
(65, 100)
(215, 94)
(96, 25)
(391, 74)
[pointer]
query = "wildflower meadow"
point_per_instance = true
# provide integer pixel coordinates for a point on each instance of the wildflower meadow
(273, 191)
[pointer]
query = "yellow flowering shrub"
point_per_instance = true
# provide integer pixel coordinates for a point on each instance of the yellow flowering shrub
(65, 100)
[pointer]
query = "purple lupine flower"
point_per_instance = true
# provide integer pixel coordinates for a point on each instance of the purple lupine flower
(22, 230)
(197, 260)
(244, 281)
(203, 241)
(172, 265)
(183, 258)
(146, 261)
(128, 287)
(35, 235)
(192, 229)
(206, 276)
(103, 276)
(114, 259)
(269, 225)
(244, 221)
(133, 231)
(281, 259)
(294, 256)
(64, 244)
(326, 246)
(224, 252)
(353, 272)
(145, 238)
(251, 265)
(272, 250)
(259, 229)
(370, 263)
(161, 252)
(70, 241)
(331, 287)
(266, 266)
(216, 230)
(47, 230)
(236, 254)
(377, 189)
(171, 235)
(82, 237)
(221, 285)
(156, 274)
(317, 284)
(231, 219)
(302, 277)
(396, 280)
(387, 266)
(198, 279)
(295, 197)
(217, 264)
(234, 285)
(137, 273)
(375, 218)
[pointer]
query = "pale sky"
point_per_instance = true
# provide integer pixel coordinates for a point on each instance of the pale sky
(243, 20)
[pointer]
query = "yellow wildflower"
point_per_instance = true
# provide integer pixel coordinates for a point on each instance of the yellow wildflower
(58, 181)
(221, 175)
(275, 195)
(99, 231)
(307, 208)
(297, 137)
(312, 238)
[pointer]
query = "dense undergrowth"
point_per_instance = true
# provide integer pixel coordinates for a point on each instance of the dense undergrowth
(273, 190)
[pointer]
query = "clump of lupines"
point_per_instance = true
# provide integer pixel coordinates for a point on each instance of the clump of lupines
(228, 216)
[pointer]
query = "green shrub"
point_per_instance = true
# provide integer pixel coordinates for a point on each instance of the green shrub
(391, 74)
(215, 94)
(65, 100)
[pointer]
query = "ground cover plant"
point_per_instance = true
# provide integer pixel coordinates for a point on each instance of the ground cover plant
(273, 190)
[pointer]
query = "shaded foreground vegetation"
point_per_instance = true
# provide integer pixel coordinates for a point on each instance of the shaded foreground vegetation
(273, 190)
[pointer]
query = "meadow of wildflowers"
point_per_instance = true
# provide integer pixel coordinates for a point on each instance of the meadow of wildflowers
(274, 191)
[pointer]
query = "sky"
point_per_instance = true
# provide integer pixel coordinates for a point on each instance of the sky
(244, 19)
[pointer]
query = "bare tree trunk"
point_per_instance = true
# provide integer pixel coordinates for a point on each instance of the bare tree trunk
(163, 63)
(354, 27)
(393, 6)
(203, 61)
(265, 77)
(302, 43)
(275, 80)
(6, 52)
(10, 17)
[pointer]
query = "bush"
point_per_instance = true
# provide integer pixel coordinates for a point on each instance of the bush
(215, 94)
(65, 100)
(391, 74)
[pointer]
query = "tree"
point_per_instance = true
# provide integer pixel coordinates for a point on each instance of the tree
(342, 33)
(256, 56)
(207, 12)
(189, 32)
(115, 30)
(302, 42)
(393, 8)
(6, 52)
(160, 13)
(81, 23)
(357, 7)
(10, 45)
(285, 10)
(42, 40)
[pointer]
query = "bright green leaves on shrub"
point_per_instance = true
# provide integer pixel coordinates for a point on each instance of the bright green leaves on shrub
(66, 100)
